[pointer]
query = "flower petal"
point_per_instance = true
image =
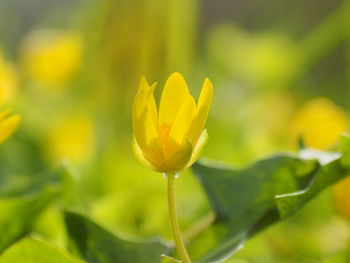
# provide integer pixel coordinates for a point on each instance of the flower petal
(139, 155)
(198, 148)
(204, 103)
(144, 96)
(145, 118)
(183, 120)
(152, 107)
(178, 160)
(174, 94)
(140, 100)
(144, 129)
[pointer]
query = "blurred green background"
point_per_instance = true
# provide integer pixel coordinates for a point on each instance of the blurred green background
(70, 68)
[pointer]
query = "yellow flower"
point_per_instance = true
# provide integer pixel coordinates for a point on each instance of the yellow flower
(319, 122)
(342, 197)
(8, 124)
(170, 140)
(52, 57)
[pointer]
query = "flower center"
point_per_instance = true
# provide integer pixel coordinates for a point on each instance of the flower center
(163, 133)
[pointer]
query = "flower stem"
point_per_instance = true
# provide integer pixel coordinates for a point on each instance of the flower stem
(180, 246)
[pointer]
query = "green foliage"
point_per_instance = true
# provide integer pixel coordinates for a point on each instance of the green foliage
(96, 244)
(249, 200)
(244, 202)
(19, 212)
(34, 250)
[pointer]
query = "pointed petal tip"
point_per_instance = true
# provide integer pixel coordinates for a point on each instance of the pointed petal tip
(143, 77)
(176, 75)
(173, 96)
(208, 83)
(143, 84)
(206, 93)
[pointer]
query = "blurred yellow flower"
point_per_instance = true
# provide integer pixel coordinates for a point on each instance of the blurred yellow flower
(52, 57)
(170, 140)
(72, 138)
(342, 197)
(8, 81)
(8, 124)
(320, 123)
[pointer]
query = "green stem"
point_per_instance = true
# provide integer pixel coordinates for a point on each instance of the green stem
(180, 246)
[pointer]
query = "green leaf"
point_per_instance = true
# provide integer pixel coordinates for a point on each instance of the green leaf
(247, 201)
(70, 195)
(34, 250)
(20, 210)
(97, 245)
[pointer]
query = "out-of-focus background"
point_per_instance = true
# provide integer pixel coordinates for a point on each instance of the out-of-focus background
(280, 71)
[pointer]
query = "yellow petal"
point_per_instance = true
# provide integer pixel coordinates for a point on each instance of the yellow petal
(174, 95)
(8, 126)
(150, 156)
(198, 148)
(139, 111)
(154, 154)
(140, 156)
(145, 125)
(177, 161)
(141, 98)
(152, 107)
(204, 103)
(151, 133)
(183, 120)
(138, 127)
(144, 117)
(144, 129)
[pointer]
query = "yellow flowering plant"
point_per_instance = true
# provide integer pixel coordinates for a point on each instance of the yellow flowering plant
(52, 57)
(320, 122)
(170, 139)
